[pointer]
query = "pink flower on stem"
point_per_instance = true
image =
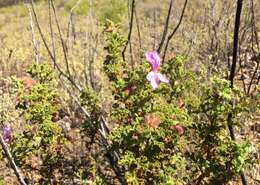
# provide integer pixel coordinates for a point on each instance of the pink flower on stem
(154, 76)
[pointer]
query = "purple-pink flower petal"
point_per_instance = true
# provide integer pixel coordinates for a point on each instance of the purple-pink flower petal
(153, 78)
(162, 78)
(7, 134)
(154, 59)
(155, 82)
(150, 75)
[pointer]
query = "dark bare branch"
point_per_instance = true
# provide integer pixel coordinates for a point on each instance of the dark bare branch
(232, 73)
(49, 51)
(174, 30)
(8, 154)
(52, 34)
(130, 28)
(64, 48)
(138, 29)
(166, 26)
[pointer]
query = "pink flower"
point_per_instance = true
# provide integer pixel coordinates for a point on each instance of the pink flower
(154, 76)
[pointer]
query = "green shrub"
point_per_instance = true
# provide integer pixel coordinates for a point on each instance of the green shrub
(41, 137)
(215, 156)
(175, 134)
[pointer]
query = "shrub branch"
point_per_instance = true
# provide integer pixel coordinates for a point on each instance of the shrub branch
(232, 73)
(8, 154)
(174, 30)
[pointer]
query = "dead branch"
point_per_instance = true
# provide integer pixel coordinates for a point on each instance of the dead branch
(130, 43)
(174, 30)
(104, 131)
(70, 24)
(8, 154)
(232, 73)
(130, 28)
(52, 34)
(138, 29)
(166, 26)
(64, 48)
(35, 44)
(49, 51)
(257, 56)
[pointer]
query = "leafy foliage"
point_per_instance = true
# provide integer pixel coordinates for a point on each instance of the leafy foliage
(156, 126)
(41, 139)
(214, 154)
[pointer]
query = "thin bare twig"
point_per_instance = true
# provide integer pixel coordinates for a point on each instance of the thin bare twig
(91, 62)
(130, 43)
(166, 26)
(35, 44)
(256, 57)
(91, 47)
(254, 75)
(138, 29)
(52, 34)
(104, 131)
(64, 48)
(235, 43)
(154, 28)
(49, 51)
(8, 154)
(232, 73)
(40, 31)
(130, 28)
(174, 30)
(70, 24)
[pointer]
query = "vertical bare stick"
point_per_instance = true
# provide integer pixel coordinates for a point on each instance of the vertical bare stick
(49, 51)
(254, 26)
(154, 28)
(174, 30)
(88, 39)
(235, 42)
(90, 48)
(70, 39)
(35, 44)
(232, 73)
(257, 57)
(92, 51)
(8, 154)
(130, 44)
(166, 26)
(61, 39)
(138, 30)
(131, 55)
(87, 43)
(130, 28)
(52, 35)
(70, 24)
(40, 31)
